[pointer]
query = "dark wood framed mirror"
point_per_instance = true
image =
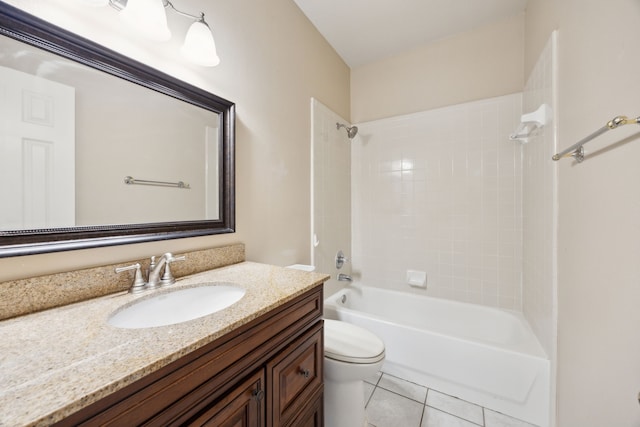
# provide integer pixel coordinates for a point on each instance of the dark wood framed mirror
(189, 162)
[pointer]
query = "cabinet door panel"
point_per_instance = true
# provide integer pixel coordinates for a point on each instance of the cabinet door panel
(313, 416)
(294, 376)
(242, 407)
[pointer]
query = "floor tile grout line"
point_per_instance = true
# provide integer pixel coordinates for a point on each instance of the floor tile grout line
(366, 404)
(377, 381)
(429, 388)
(425, 405)
(373, 391)
(457, 416)
(401, 395)
(402, 379)
(406, 381)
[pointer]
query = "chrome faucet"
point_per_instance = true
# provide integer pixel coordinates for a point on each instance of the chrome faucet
(155, 280)
(344, 278)
(154, 272)
(138, 284)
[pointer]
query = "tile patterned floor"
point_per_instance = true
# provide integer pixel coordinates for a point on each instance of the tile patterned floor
(394, 402)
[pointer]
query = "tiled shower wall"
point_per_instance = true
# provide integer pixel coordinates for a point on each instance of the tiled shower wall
(440, 191)
(540, 206)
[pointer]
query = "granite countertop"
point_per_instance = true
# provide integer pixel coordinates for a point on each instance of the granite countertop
(55, 362)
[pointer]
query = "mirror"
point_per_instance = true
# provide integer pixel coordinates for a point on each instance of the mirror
(97, 149)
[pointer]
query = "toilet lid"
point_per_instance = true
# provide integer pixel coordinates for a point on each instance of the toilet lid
(350, 343)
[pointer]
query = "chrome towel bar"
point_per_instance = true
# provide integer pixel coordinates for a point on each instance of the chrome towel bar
(131, 181)
(577, 151)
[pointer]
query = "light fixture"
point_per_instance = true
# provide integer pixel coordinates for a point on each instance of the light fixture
(149, 18)
(199, 46)
(96, 3)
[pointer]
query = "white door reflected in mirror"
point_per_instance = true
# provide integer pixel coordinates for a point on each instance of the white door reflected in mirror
(37, 152)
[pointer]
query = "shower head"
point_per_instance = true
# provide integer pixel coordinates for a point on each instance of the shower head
(351, 131)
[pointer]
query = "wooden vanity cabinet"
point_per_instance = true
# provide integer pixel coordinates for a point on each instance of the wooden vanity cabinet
(242, 406)
(265, 373)
(294, 375)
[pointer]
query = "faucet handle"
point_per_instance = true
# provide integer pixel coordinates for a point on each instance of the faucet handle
(167, 277)
(152, 265)
(340, 259)
(138, 284)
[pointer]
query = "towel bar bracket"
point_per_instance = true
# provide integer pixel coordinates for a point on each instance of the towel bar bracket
(578, 154)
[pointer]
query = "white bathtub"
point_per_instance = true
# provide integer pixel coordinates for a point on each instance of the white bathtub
(484, 355)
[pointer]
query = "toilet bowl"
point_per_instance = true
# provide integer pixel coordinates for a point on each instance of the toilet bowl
(351, 354)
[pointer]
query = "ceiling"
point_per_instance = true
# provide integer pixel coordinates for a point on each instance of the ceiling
(363, 31)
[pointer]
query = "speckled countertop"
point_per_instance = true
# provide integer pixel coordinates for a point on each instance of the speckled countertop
(57, 361)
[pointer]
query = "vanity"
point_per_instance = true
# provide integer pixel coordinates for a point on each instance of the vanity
(257, 362)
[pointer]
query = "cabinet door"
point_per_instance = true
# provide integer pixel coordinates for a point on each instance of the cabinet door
(294, 377)
(313, 416)
(243, 406)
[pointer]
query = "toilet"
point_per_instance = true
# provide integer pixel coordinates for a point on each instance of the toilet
(351, 354)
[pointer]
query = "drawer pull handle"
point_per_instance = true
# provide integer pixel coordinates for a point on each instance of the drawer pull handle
(258, 395)
(305, 373)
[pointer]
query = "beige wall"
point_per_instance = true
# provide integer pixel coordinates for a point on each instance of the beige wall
(273, 62)
(599, 217)
(479, 64)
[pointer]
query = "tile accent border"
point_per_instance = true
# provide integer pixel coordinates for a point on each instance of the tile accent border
(24, 296)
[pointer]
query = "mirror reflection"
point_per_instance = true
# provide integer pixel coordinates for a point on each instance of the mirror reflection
(70, 136)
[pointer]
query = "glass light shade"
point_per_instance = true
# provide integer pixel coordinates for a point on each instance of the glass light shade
(148, 18)
(199, 46)
(96, 3)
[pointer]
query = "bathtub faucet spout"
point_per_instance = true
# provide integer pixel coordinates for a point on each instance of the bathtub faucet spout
(344, 278)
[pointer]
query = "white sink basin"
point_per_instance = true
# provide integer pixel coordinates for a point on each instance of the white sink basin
(177, 306)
